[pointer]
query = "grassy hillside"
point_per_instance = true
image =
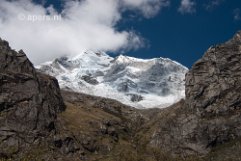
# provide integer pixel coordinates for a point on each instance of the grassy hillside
(122, 133)
(105, 130)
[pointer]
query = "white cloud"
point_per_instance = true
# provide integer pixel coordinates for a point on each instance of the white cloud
(187, 6)
(148, 8)
(213, 4)
(237, 14)
(85, 25)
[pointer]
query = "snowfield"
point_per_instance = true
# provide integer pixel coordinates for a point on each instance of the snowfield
(140, 83)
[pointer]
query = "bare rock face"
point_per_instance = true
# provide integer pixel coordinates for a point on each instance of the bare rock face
(211, 113)
(213, 88)
(29, 102)
(214, 82)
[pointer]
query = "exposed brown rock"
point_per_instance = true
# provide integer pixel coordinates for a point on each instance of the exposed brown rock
(211, 113)
(213, 88)
(29, 102)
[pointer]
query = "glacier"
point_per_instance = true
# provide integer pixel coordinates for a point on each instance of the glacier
(141, 83)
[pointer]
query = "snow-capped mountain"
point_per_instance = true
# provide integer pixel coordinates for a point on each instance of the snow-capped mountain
(157, 82)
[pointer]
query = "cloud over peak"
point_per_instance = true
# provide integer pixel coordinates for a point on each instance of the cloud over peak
(148, 8)
(213, 4)
(82, 25)
(187, 6)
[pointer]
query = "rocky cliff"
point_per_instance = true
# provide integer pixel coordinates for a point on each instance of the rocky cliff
(211, 114)
(29, 102)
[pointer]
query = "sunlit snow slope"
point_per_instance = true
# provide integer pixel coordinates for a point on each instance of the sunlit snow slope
(140, 83)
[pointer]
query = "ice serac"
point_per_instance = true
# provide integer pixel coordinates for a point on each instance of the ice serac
(211, 114)
(136, 82)
(29, 102)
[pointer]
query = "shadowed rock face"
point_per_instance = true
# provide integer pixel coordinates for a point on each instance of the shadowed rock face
(215, 80)
(211, 113)
(29, 101)
(213, 88)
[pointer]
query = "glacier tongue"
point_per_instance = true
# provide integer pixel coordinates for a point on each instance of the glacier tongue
(140, 83)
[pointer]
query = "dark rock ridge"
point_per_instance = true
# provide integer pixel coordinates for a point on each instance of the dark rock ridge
(89, 79)
(211, 113)
(29, 102)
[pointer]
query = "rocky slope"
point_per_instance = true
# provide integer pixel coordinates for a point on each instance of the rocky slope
(210, 116)
(29, 102)
(35, 124)
(136, 82)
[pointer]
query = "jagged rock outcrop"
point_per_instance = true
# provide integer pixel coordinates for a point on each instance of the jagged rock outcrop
(29, 102)
(215, 80)
(213, 91)
(211, 113)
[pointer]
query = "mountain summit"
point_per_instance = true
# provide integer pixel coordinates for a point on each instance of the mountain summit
(140, 83)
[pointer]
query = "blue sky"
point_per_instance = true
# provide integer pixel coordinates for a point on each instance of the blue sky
(183, 37)
(180, 33)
